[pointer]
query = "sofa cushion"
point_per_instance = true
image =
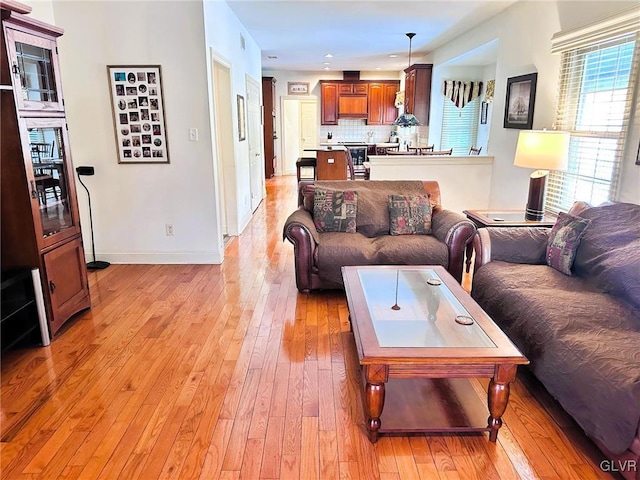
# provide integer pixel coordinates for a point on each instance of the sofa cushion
(563, 241)
(582, 343)
(334, 252)
(409, 215)
(609, 251)
(372, 218)
(335, 210)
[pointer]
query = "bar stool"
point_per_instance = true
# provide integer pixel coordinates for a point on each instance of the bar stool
(306, 162)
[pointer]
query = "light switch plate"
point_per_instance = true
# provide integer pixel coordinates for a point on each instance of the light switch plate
(193, 134)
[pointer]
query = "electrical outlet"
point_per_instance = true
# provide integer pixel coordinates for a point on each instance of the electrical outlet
(193, 134)
(168, 230)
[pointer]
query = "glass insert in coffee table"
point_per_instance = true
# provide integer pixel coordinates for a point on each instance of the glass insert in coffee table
(420, 337)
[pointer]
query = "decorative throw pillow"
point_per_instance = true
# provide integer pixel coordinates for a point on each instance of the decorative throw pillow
(409, 215)
(334, 210)
(563, 241)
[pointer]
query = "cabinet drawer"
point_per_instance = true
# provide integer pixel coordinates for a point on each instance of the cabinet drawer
(360, 88)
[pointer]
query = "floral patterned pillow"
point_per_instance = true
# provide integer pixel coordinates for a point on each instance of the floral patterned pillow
(409, 215)
(563, 241)
(334, 210)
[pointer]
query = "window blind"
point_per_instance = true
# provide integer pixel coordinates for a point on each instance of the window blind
(594, 106)
(459, 126)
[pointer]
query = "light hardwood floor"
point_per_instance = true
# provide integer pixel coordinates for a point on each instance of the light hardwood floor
(226, 371)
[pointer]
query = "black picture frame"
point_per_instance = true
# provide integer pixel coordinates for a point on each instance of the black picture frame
(520, 101)
(484, 109)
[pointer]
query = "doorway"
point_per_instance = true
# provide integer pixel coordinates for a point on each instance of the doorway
(299, 130)
(254, 137)
(223, 133)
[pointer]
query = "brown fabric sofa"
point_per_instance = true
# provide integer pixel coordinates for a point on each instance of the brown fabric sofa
(320, 256)
(580, 332)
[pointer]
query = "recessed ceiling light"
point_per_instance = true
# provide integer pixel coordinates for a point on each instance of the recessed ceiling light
(326, 63)
(378, 68)
(393, 55)
(326, 68)
(328, 55)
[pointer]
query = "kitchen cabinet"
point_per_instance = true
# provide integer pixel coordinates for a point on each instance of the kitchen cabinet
(329, 103)
(352, 106)
(373, 101)
(360, 88)
(269, 125)
(38, 204)
(417, 91)
(382, 97)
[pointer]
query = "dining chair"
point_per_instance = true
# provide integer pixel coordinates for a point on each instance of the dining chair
(439, 152)
(475, 150)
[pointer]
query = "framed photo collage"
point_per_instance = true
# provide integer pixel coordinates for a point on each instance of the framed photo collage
(138, 113)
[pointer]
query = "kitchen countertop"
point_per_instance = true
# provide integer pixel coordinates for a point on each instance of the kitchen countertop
(356, 143)
(327, 147)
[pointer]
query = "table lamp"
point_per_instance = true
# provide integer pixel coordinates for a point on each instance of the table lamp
(544, 150)
(95, 264)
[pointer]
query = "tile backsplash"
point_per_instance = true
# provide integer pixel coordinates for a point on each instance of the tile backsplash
(356, 131)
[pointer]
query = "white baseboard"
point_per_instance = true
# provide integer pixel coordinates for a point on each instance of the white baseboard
(161, 258)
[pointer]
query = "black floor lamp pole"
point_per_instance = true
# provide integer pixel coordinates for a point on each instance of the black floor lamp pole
(95, 264)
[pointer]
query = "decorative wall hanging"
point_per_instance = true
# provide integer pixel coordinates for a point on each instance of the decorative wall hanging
(521, 97)
(460, 92)
(297, 88)
(242, 124)
(488, 94)
(137, 102)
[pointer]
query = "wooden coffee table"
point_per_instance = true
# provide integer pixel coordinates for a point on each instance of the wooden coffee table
(417, 358)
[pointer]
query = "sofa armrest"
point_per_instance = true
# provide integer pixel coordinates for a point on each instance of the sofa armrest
(454, 230)
(511, 244)
(301, 232)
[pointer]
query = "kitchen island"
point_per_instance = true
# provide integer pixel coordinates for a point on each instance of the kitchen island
(331, 162)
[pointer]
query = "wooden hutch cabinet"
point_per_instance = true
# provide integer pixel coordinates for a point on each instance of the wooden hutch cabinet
(417, 91)
(40, 219)
(269, 125)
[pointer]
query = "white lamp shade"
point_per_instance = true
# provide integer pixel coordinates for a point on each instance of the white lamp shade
(542, 149)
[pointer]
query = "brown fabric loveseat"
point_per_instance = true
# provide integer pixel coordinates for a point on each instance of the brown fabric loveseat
(320, 256)
(580, 332)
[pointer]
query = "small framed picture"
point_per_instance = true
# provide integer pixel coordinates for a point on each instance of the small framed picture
(298, 88)
(521, 97)
(132, 102)
(242, 125)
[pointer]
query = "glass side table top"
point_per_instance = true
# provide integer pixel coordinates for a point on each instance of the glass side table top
(422, 313)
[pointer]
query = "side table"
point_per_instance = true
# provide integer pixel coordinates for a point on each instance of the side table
(503, 218)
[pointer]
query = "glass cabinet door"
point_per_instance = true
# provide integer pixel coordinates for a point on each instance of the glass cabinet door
(51, 180)
(34, 68)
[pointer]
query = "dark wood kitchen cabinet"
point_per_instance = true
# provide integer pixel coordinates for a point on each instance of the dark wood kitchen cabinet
(38, 204)
(382, 97)
(417, 91)
(269, 125)
(329, 103)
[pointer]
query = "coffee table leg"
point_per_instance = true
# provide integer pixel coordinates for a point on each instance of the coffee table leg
(376, 376)
(498, 397)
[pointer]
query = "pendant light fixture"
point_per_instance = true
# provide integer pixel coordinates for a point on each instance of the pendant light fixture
(407, 119)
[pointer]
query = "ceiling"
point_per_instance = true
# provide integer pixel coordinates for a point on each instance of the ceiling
(359, 34)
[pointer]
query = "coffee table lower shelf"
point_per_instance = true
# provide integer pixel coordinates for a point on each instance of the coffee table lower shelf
(429, 405)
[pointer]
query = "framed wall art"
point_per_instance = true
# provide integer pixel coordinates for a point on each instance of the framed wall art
(297, 88)
(521, 97)
(242, 123)
(137, 102)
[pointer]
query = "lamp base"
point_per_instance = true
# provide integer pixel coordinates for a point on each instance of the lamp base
(97, 265)
(537, 194)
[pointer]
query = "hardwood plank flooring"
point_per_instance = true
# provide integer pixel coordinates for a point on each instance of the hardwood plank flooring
(227, 372)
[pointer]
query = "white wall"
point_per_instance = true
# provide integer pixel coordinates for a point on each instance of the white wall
(132, 203)
(222, 37)
(524, 31)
